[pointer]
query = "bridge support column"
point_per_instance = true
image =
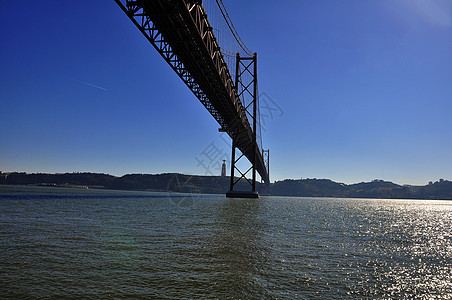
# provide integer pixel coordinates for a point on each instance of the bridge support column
(266, 156)
(246, 86)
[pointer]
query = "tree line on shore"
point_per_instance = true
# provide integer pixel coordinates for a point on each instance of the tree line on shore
(173, 182)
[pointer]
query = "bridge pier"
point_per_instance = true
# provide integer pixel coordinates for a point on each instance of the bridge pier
(242, 194)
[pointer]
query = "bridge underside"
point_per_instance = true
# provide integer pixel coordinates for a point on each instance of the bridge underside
(180, 31)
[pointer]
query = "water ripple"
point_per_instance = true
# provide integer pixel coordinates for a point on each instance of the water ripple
(106, 244)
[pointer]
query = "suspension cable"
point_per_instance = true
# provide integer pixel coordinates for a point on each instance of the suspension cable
(228, 53)
(232, 28)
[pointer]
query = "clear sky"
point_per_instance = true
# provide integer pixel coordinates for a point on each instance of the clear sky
(363, 91)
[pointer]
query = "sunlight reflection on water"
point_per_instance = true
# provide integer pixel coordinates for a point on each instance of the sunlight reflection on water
(107, 244)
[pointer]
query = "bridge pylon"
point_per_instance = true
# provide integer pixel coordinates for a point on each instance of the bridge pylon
(266, 157)
(246, 87)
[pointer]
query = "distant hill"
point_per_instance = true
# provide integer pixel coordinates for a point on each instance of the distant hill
(375, 189)
(174, 182)
(308, 188)
(160, 182)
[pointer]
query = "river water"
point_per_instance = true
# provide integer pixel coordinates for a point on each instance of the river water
(70, 243)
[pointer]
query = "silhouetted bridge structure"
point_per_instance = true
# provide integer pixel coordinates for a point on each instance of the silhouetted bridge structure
(224, 81)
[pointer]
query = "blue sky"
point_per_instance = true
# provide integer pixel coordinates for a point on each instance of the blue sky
(363, 90)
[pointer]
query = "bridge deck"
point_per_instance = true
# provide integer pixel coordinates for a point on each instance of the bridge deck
(181, 33)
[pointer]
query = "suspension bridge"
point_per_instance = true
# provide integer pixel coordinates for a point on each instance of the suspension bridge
(200, 43)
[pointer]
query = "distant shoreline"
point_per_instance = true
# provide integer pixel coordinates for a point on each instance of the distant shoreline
(175, 182)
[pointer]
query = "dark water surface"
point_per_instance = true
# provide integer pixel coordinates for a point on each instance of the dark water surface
(111, 244)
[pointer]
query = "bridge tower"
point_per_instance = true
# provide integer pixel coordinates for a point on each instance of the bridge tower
(246, 87)
(266, 156)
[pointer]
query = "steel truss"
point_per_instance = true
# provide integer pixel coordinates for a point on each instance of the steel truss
(166, 39)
